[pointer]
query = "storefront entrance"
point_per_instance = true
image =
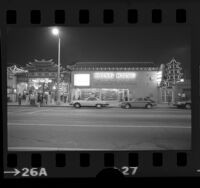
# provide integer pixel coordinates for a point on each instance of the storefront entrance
(167, 95)
(103, 94)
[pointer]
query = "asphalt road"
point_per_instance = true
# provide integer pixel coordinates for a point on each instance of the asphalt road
(66, 128)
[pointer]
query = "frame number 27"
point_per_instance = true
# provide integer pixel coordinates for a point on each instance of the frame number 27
(127, 170)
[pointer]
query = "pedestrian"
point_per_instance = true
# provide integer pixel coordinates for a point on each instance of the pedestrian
(45, 98)
(32, 99)
(27, 98)
(38, 99)
(169, 100)
(19, 99)
(52, 98)
(65, 97)
(41, 99)
(23, 96)
(48, 98)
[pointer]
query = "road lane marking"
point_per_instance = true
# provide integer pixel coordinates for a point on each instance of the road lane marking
(63, 149)
(18, 111)
(104, 126)
(28, 111)
(38, 111)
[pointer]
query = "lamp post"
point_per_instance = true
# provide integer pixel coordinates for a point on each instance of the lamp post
(55, 32)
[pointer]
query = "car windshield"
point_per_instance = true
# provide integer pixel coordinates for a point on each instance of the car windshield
(132, 99)
(92, 99)
(139, 99)
(148, 99)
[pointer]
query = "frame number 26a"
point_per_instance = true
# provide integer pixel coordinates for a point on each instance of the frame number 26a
(33, 172)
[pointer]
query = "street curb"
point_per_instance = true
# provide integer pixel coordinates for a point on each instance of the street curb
(36, 106)
(170, 107)
(54, 106)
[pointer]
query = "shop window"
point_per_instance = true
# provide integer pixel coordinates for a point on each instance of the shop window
(109, 94)
(85, 93)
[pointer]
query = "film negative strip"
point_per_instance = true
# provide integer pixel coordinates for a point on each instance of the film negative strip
(100, 89)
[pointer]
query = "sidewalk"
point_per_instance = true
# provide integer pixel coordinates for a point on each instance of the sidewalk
(52, 105)
(43, 105)
(111, 105)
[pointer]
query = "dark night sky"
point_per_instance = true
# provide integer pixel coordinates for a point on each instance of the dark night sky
(155, 44)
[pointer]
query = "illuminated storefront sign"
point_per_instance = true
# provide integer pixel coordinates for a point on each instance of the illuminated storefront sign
(37, 80)
(125, 75)
(43, 74)
(114, 75)
(81, 79)
(159, 77)
(104, 75)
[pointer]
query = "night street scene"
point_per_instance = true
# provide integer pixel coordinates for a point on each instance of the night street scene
(98, 88)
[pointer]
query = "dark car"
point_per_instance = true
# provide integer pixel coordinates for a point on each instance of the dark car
(183, 104)
(139, 103)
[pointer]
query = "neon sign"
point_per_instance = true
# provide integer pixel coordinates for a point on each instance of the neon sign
(104, 75)
(125, 75)
(43, 80)
(159, 77)
(114, 75)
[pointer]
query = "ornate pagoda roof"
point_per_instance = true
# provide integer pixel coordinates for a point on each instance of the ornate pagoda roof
(36, 64)
(16, 70)
(45, 66)
(115, 66)
(173, 61)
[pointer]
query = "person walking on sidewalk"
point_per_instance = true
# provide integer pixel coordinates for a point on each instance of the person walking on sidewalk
(32, 99)
(169, 100)
(45, 98)
(19, 99)
(27, 98)
(39, 99)
(65, 97)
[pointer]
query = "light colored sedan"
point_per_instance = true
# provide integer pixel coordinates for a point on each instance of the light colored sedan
(138, 103)
(90, 102)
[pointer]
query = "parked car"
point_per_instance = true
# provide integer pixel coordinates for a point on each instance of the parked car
(90, 101)
(139, 103)
(183, 104)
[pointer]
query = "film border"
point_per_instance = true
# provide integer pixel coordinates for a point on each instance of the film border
(18, 15)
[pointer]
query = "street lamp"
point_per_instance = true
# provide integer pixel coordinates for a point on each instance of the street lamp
(55, 31)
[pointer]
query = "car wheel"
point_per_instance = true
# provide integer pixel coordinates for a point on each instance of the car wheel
(98, 106)
(188, 106)
(77, 105)
(127, 106)
(148, 106)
